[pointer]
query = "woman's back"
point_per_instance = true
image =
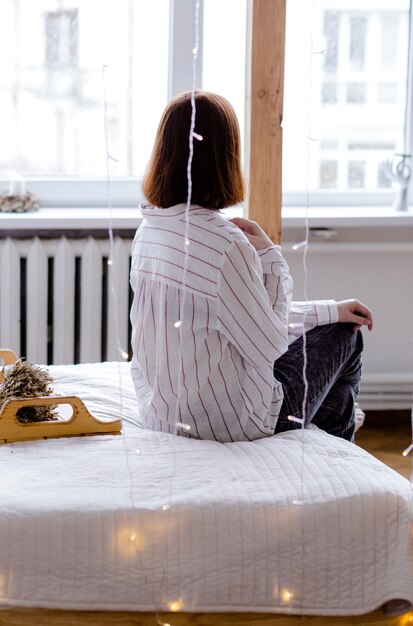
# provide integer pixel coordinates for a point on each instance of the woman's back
(205, 334)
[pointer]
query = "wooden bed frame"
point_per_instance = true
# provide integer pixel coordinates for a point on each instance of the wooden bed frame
(37, 617)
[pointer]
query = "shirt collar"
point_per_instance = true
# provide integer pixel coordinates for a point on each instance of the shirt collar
(149, 211)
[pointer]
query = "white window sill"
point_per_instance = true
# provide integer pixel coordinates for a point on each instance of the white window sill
(71, 219)
(349, 217)
(129, 218)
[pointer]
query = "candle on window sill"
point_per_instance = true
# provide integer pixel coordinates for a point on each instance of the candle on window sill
(17, 186)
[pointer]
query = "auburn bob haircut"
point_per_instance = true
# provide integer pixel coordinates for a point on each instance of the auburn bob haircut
(217, 178)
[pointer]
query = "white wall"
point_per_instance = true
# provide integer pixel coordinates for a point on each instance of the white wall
(375, 266)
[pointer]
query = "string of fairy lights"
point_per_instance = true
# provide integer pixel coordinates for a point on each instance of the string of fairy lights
(162, 603)
(176, 605)
(192, 135)
(132, 535)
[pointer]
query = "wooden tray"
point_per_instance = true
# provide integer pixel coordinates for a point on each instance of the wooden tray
(80, 423)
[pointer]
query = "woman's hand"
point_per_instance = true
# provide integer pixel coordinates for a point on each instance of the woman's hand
(253, 232)
(354, 312)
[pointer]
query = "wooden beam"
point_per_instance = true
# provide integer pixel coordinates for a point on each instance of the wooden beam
(264, 110)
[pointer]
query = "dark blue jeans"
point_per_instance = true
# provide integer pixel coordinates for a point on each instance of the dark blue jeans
(333, 373)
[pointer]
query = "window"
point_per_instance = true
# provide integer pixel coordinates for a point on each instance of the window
(328, 174)
(61, 39)
(387, 93)
(356, 174)
(346, 119)
(223, 69)
(357, 42)
(391, 27)
(51, 90)
(356, 93)
(344, 102)
(331, 32)
(329, 95)
(383, 180)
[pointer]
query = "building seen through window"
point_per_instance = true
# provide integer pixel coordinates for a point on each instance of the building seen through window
(345, 85)
(51, 89)
(61, 39)
(347, 93)
(52, 85)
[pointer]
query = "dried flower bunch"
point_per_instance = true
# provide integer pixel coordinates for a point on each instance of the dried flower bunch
(18, 204)
(26, 380)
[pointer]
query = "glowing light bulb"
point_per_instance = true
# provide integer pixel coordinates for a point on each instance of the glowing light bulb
(195, 50)
(292, 418)
(133, 537)
(125, 355)
(409, 449)
(175, 606)
(286, 595)
(183, 426)
(296, 502)
(178, 323)
(187, 242)
(166, 507)
(197, 136)
(297, 246)
(110, 262)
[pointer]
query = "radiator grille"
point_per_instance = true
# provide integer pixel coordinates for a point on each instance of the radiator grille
(55, 305)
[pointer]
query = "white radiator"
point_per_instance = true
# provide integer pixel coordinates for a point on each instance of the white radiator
(55, 305)
(55, 300)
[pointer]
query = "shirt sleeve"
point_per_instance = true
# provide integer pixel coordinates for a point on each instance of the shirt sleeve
(274, 268)
(252, 302)
(307, 315)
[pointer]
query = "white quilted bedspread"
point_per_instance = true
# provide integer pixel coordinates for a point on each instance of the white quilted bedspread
(300, 522)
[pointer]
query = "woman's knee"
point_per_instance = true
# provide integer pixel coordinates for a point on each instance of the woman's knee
(344, 334)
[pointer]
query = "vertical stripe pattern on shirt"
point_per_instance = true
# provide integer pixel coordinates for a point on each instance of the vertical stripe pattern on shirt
(214, 371)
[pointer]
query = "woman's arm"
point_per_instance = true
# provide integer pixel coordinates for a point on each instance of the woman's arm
(307, 315)
(253, 300)
(303, 316)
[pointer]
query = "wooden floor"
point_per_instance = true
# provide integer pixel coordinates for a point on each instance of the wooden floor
(385, 436)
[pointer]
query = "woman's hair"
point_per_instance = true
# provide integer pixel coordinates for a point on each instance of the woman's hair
(217, 178)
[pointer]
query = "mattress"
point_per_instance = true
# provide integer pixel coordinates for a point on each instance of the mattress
(297, 523)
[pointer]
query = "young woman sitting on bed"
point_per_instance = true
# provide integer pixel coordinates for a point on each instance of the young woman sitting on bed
(217, 342)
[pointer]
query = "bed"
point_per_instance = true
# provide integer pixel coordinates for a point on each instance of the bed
(300, 523)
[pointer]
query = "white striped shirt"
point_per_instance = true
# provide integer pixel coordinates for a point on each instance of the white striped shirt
(214, 371)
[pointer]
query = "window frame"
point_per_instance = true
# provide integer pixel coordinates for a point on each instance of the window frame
(55, 192)
(95, 192)
(379, 200)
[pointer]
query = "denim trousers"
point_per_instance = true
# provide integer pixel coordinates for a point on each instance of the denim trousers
(333, 372)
